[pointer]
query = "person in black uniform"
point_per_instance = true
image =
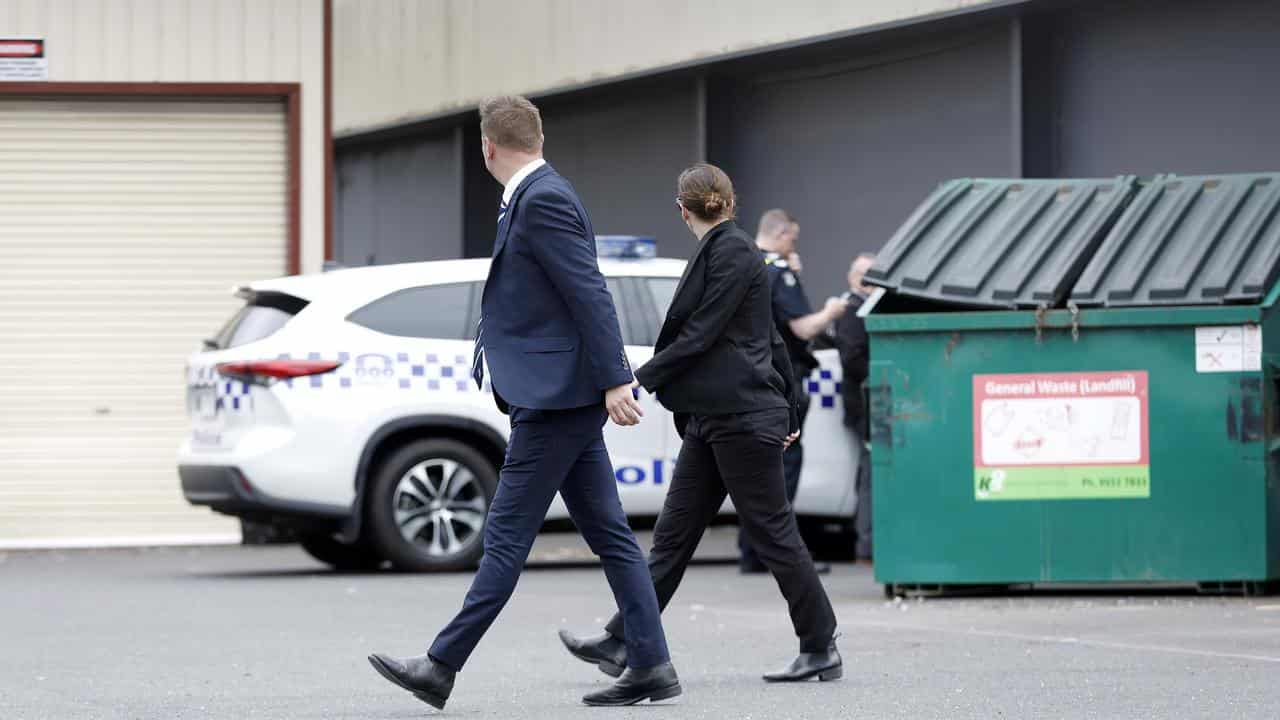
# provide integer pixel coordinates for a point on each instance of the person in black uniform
(851, 341)
(720, 366)
(797, 323)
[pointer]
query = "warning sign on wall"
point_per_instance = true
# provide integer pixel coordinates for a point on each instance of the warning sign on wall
(1060, 436)
(23, 59)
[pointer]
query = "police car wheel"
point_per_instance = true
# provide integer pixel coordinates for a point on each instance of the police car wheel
(341, 556)
(429, 503)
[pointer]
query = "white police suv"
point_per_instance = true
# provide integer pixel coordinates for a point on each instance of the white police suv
(340, 406)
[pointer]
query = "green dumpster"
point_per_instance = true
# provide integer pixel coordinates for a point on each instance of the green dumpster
(1075, 381)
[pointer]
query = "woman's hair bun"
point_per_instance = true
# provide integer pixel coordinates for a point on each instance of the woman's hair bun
(706, 191)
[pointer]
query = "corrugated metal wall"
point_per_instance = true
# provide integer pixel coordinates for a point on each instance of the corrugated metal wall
(623, 151)
(400, 201)
(851, 147)
(194, 41)
(1182, 86)
(406, 199)
(407, 58)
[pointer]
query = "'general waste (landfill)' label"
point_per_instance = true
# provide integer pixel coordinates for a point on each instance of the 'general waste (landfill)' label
(1061, 436)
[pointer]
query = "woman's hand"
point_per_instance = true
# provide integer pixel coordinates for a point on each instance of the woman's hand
(786, 442)
(622, 405)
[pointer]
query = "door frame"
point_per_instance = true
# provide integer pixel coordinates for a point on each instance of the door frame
(288, 93)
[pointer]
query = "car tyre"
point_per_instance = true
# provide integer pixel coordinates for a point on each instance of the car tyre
(339, 555)
(428, 505)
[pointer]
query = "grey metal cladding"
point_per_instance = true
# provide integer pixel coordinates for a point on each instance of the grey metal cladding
(1001, 243)
(1199, 240)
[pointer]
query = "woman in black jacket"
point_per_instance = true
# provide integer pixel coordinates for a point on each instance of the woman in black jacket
(720, 366)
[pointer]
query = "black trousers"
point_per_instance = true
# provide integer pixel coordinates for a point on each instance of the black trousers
(550, 451)
(792, 463)
(740, 455)
(862, 488)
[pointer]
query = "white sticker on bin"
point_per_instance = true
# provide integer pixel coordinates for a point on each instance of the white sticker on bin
(1228, 348)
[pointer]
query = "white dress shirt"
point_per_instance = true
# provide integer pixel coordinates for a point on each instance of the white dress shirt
(518, 178)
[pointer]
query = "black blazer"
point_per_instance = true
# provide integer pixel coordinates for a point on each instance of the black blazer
(718, 351)
(855, 360)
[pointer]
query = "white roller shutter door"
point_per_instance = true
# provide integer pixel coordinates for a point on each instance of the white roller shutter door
(122, 226)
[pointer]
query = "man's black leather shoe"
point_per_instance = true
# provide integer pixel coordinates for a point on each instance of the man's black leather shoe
(652, 684)
(604, 651)
(825, 665)
(430, 682)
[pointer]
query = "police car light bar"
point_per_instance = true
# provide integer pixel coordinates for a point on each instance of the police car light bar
(626, 247)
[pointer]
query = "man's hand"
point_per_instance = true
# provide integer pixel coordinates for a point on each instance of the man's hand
(622, 405)
(835, 307)
(786, 442)
(807, 327)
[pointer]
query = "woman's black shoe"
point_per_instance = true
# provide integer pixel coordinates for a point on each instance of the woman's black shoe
(825, 665)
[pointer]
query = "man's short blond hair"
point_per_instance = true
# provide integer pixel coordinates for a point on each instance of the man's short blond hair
(512, 122)
(773, 222)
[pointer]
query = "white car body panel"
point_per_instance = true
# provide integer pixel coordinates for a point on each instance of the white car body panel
(300, 441)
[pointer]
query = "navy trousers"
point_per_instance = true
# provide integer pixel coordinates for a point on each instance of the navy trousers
(550, 451)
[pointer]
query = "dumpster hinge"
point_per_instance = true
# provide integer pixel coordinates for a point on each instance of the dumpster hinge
(1040, 313)
(1075, 321)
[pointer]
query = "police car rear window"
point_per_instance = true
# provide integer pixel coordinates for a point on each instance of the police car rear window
(441, 312)
(261, 317)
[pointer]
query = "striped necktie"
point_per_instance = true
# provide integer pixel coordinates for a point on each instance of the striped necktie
(477, 356)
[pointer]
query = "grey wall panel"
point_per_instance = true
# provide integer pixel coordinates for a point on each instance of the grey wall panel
(1179, 86)
(623, 150)
(355, 211)
(482, 195)
(399, 201)
(850, 149)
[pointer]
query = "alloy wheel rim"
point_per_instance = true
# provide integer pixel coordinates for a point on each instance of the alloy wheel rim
(439, 507)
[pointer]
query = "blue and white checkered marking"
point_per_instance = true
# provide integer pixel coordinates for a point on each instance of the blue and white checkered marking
(825, 387)
(431, 372)
(229, 395)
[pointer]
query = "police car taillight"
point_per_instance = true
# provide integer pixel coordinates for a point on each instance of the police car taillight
(264, 371)
(626, 247)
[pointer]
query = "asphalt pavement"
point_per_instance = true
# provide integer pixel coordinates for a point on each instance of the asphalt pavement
(265, 632)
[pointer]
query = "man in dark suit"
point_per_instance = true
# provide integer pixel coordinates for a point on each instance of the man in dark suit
(549, 336)
(852, 342)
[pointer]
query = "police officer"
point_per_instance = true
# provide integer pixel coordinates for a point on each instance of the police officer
(776, 237)
(850, 335)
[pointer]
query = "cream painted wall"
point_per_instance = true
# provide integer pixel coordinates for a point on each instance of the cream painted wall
(402, 59)
(194, 41)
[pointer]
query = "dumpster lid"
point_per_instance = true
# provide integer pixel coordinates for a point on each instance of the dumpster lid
(1000, 243)
(1198, 240)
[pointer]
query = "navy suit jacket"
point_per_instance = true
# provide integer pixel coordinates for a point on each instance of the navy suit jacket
(549, 329)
